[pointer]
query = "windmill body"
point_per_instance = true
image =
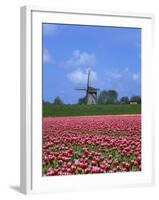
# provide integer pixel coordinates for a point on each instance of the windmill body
(91, 92)
(91, 95)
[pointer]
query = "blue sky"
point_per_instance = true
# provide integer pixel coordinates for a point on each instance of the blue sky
(113, 55)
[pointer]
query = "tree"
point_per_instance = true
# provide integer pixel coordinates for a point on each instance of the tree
(82, 100)
(46, 103)
(103, 97)
(124, 100)
(112, 97)
(58, 101)
(136, 99)
(108, 97)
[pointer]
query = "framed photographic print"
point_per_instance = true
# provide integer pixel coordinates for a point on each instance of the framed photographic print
(86, 100)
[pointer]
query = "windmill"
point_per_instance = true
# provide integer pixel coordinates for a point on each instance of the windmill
(91, 92)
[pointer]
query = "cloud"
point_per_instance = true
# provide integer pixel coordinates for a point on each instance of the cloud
(77, 67)
(50, 29)
(118, 74)
(47, 58)
(80, 76)
(115, 75)
(123, 80)
(135, 76)
(80, 60)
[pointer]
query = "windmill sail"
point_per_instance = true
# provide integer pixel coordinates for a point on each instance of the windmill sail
(88, 80)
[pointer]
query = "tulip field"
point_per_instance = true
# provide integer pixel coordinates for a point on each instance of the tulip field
(91, 144)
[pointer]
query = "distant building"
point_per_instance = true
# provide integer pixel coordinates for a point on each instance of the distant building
(133, 102)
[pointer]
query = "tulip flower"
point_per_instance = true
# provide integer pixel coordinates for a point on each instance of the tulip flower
(91, 144)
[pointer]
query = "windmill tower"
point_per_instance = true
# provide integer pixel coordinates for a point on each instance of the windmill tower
(91, 92)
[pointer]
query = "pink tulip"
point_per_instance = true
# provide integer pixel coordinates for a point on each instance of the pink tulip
(91, 144)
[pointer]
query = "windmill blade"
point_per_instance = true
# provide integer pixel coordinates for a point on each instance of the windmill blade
(88, 80)
(83, 89)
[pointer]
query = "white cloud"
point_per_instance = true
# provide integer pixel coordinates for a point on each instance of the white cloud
(118, 74)
(50, 29)
(115, 75)
(126, 69)
(77, 67)
(135, 76)
(80, 76)
(80, 60)
(47, 58)
(123, 80)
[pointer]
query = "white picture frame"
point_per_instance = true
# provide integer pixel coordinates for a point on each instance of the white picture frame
(31, 101)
